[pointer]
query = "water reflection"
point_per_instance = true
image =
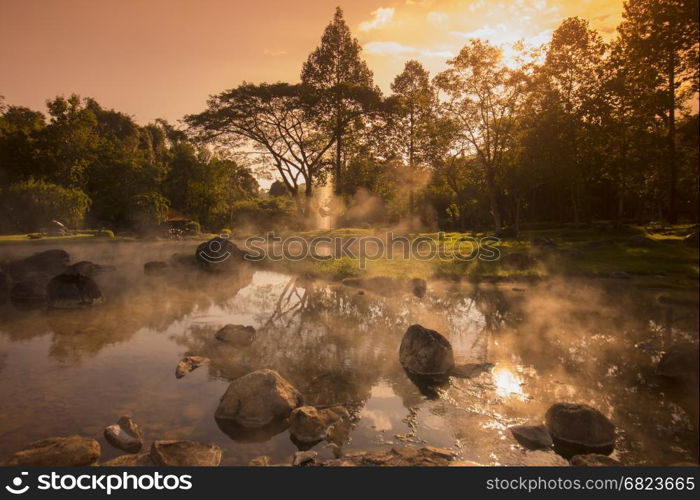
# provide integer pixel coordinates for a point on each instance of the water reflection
(75, 372)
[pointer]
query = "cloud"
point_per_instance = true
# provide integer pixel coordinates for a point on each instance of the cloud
(387, 48)
(485, 32)
(274, 53)
(398, 49)
(437, 18)
(380, 18)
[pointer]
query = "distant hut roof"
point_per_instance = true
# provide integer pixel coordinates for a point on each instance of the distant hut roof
(175, 216)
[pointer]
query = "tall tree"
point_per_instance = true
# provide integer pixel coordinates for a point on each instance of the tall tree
(660, 39)
(336, 67)
(572, 69)
(411, 112)
(482, 98)
(277, 120)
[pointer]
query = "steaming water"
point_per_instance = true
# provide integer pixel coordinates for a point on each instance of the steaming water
(76, 372)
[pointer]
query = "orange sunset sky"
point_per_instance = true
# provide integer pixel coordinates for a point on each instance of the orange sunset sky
(162, 58)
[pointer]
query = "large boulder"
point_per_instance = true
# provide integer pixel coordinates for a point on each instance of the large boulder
(87, 268)
(258, 399)
(71, 291)
(425, 352)
(50, 262)
(125, 435)
(310, 425)
(579, 429)
(680, 364)
(30, 292)
(237, 335)
(185, 454)
(71, 451)
(219, 254)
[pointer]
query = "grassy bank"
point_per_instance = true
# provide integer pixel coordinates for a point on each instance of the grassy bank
(648, 258)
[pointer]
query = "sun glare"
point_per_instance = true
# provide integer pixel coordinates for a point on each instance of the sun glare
(508, 383)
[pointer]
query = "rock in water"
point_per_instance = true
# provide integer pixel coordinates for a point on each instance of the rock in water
(87, 268)
(30, 292)
(185, 454)
(578, 429)
(134, 460)
(70, 291)
(189, 363)
(257, 399)
(419, 287)
(532, 437)
(237, 335)
(261, 461)
(125, 435)
(71, 451)
(403, 456)
(310, 425)
(425, 352)
(51, 262)
(219, 254)
(593, 460)
(302, 458)
(680, 363)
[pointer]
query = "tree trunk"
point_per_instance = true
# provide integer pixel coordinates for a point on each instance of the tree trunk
(493, 197)
(672, 164)
(338, 163)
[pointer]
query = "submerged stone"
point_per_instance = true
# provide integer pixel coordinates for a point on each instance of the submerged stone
(71, 291)
(185, 454)
(71, 451)
(237, 335)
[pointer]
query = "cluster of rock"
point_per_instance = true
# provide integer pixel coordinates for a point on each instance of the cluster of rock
(577, 432)
(48, 279)
(262, 403)
(78, 451)
(403, 456)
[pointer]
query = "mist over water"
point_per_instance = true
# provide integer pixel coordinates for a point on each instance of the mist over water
(74, 372)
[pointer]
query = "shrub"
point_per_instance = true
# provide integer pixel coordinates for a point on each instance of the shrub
(193, 227)
(104, 233)
(31, 205)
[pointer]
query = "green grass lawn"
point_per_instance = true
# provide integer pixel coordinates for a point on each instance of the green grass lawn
(654, 259)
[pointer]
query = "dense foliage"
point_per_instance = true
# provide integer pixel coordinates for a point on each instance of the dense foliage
(86, 162)
(577, 130)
